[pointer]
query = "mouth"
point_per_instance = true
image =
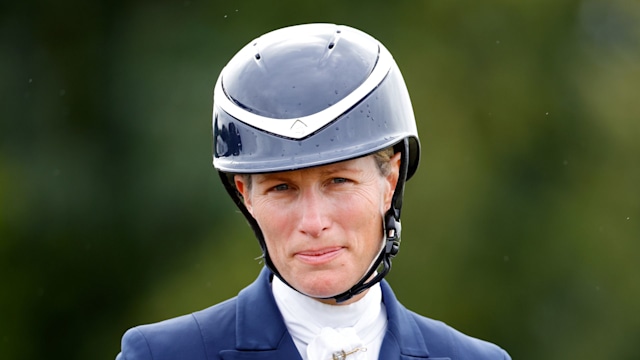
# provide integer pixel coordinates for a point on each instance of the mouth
(319, 256)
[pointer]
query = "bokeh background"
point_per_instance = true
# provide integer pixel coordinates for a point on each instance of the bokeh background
(522, 226)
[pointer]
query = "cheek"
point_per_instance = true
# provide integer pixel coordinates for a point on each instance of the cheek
(270, 231)
(363, 215)
(377, 200)
(264, 216)
(272, 219)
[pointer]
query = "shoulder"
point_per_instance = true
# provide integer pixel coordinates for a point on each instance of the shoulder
(419, 336)
(185, 336)
(445, 341)
(203, 334)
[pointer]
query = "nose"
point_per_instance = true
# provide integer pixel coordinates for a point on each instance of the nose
(314, 213)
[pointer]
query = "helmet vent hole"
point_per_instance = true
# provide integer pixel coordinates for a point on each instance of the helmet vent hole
(257, 56)
(331, 45)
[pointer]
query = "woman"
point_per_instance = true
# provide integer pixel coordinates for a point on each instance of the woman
(314, 138)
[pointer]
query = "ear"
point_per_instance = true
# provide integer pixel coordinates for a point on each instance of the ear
(242, 185)
(392, 178)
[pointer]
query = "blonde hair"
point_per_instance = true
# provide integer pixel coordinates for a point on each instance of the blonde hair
(383, 160)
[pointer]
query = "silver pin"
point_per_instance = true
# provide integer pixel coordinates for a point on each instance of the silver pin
(342, 355)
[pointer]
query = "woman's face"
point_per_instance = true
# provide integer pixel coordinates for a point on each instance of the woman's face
(323, 225)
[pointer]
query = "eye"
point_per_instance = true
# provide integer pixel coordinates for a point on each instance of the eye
(281, 187)
(339, 180)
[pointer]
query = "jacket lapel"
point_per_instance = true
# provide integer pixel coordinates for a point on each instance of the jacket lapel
(261, 332)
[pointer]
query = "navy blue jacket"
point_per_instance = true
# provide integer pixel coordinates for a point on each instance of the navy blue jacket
(250, 327)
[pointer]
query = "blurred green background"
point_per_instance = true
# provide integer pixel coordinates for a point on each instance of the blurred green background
(521, 227)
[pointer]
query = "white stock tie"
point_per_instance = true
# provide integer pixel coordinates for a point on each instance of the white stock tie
(333, 332)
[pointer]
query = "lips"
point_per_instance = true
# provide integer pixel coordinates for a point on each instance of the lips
(319, 256)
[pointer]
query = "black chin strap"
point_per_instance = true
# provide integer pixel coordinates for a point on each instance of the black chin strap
(392, 230)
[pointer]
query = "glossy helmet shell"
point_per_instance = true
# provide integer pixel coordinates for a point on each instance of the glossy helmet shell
(309, 95)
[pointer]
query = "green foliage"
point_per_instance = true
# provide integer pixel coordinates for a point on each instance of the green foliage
(520, 227)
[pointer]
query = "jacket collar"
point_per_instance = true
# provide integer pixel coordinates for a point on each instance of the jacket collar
(260, 330)
(262, 334)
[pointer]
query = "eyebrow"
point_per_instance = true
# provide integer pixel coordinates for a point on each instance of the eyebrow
(282, 176)
(262, 178)
(340, 169)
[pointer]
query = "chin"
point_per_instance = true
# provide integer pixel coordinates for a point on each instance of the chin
(322, 290)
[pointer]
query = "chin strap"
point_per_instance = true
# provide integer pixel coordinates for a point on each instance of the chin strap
(392, 230)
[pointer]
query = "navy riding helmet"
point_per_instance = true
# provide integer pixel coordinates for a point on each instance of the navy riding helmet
(311, 95)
